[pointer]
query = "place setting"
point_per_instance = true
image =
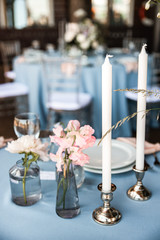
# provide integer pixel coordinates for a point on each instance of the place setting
(123, 157)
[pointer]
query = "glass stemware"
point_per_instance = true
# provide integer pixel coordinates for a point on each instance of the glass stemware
(27, 124)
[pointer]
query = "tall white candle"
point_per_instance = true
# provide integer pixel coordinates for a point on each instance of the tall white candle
(106, 124)
(141, 107)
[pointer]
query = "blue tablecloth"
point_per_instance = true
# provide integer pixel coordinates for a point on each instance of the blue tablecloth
(140, 220)
(32, 75)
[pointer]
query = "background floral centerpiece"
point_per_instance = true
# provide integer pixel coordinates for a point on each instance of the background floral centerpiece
(84, 35)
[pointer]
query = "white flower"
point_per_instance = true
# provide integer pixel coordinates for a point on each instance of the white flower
(72, 27)
(92, 37)
(158, 15)
(95, 44)
(85, 45)
(88, 22)
(80, 13)
(27, 144)
(72, 30)
(80, 38)
(147, 5)
(69, 36)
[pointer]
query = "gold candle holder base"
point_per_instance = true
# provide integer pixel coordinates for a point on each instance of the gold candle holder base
(138, 192)
(106, 215)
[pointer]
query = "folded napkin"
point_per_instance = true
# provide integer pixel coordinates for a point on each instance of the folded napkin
(130, 63)
(20, 59)
(150, 98)
(149, 148)
(3, 141)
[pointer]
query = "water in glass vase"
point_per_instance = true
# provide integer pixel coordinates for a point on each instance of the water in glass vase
(32, 187)
(67, 202)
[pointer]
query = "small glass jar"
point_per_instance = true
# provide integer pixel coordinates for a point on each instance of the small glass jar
(25, 190)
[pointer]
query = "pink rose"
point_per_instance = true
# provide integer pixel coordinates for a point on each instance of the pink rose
(84, 141)
(89, 142)
(79, 158)
(58, 131)
(58, 158)
(80, 141)
(86, 130)
(63, 142)
(73, 125)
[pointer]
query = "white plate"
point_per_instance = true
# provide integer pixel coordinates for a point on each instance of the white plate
(113, 171)
(123, 154)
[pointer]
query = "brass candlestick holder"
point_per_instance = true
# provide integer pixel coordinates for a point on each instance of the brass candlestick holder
(138, 192)
(106, 215)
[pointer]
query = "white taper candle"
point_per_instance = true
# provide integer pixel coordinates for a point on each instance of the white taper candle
(106, 124)
(141, 107)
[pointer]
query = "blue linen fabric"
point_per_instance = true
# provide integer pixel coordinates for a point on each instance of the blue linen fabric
(140, 220)
(32, 75)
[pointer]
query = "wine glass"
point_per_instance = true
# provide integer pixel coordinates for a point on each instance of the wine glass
(27, 124)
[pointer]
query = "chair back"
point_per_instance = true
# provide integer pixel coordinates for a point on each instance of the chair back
(13, 99)
(63, 77)
(9, 50)
(134, 44)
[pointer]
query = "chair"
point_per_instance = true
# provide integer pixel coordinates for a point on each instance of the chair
(134, 44)
(64, 96)
(152, 102)
(8, 51)
(13, 99)
(156, 68)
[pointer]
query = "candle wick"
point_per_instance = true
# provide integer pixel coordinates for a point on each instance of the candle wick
(143, 50)
(107, 58)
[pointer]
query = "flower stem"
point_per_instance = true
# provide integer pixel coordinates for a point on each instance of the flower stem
(69, 162)
(62, 181)
(64, 170)
(64, 191)
(26, 164)
(24, 182)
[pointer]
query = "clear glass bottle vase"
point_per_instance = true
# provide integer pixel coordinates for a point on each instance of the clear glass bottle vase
(25, 191)
(79, 175)
(67, 201)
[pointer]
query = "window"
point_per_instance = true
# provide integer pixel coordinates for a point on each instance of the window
(27, 13)
(100, 10)
(113, 12)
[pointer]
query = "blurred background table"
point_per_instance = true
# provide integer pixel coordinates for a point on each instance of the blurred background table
(31, 73)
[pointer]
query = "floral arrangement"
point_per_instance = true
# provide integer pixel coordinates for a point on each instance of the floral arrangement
(152, 2)
(72, 141)
(84, 35)
(32, 148)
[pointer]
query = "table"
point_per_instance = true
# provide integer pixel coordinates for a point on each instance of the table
(32, 75)
(140, 220)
